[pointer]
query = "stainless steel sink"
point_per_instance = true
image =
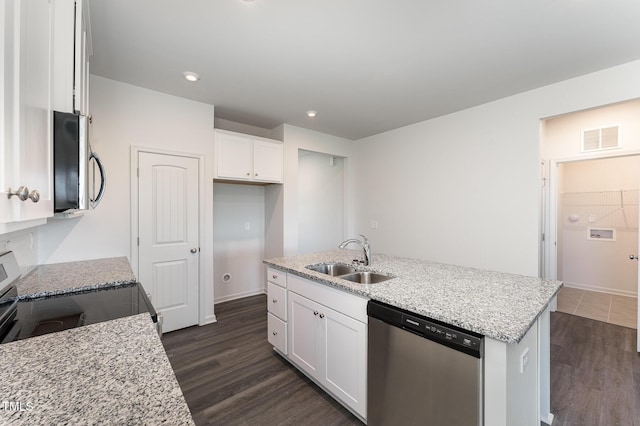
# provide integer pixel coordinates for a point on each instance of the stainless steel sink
(366, 277)
(333, 269)
(349, 273)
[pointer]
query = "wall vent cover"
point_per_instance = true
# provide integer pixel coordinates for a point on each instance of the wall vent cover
(601, 139)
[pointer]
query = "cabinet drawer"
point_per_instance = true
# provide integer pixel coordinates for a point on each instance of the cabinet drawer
(277, 333)
(277, 277)
(277, 301)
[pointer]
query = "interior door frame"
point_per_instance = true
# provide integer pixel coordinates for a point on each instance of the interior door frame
(550, 260)
(135, 264)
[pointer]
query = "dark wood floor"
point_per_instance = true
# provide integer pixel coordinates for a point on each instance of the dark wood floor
(595, 373)
(230, 375)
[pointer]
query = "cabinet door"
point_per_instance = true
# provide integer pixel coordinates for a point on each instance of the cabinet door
(277, 301)
(305, 334)
(277, 333)
(81, 58)
(345, 372)
(233, 157)
(26, 111)
(71, 52)
(267, 161)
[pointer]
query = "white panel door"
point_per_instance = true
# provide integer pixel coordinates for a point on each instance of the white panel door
(638, 293)
(168, 232)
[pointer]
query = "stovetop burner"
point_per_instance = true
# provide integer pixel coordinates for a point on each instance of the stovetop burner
(58, 324)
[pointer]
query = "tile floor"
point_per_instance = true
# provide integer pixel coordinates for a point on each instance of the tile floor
(611, 308)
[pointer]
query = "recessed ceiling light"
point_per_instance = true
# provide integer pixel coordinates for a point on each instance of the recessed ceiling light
(191, 76)
(312, 113)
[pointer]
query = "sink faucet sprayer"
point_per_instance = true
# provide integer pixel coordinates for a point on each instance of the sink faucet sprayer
(366, 247)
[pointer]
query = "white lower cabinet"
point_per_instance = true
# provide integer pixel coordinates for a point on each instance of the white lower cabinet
(329, 346)
(277, 333)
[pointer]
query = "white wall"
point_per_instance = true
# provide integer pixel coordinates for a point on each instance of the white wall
(238, 251)
(295, 139)
(320, 201)
(125, 116)
(465, 188)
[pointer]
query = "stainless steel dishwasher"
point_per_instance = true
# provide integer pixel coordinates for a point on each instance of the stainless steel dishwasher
(421, 371)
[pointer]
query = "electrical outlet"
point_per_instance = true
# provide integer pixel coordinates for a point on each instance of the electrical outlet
(247, 226)
(374, 224)
(524, 360)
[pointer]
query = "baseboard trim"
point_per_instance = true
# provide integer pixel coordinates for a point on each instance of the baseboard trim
(239, 295)
(601, 289)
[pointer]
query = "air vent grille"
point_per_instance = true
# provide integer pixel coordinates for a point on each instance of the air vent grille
(600, 139)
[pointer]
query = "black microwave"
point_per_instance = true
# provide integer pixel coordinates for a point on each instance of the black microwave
(74, 165)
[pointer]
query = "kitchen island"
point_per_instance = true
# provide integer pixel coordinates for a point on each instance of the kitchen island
(511, 311)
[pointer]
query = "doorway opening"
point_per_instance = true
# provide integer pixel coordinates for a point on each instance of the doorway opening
(597, 231)
(321, 201)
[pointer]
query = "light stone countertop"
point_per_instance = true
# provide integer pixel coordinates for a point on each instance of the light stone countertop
(114, 372)
(60, 278)
(498, 305)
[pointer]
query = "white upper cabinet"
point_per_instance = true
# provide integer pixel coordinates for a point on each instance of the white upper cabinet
(25, 113)
(240, 157)
(72, 50)
(267, 161)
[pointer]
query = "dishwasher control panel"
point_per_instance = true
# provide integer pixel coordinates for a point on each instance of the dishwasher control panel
(440, 333)
(462, 340)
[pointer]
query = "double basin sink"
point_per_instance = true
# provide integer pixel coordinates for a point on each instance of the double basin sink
(349, 273)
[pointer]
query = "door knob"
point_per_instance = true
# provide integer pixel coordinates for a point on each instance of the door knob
(633, 257)
(194, 250)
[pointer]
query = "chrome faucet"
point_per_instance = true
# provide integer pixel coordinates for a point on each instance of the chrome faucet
(366, 247)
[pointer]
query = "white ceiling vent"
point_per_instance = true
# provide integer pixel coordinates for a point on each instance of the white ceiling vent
(599, 139)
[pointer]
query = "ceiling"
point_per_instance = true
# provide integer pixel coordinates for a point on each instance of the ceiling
(365, 66)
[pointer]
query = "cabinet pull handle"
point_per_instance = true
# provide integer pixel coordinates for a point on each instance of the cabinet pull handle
(315, 313)
(248, 174)
(34, 196)
(275, 300)
(256, 174)
(321, 315)
(275, 333)
(23, 194)
(274, 276)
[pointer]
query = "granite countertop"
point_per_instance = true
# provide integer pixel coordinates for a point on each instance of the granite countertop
(114, 372)
(498, 305)
(60, 278)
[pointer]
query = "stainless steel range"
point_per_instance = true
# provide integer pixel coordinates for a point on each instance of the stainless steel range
(23, 317)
